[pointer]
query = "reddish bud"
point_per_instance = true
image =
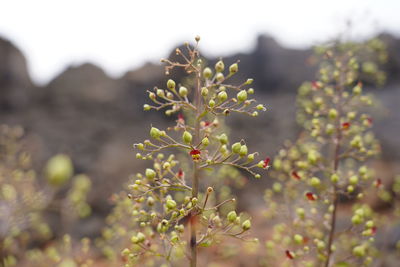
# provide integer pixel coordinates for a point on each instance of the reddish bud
(311, 196)
(207, 123)
(181, 174)
(181, 119)
(289, 255)
(266, 163)
(369, 119)
(346, 125)
(296, 175)
(373, 230)
(378, 183)
(315, 85)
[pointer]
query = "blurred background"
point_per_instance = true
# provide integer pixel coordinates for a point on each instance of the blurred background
(74, 73)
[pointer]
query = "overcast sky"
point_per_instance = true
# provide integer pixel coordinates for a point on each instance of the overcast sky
(119, 35)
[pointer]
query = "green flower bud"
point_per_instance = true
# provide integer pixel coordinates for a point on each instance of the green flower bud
(146, 107)
(183, 91)
(150, 201)
(249, 81)
(204, 91)
(220, 66)
(170, 95)
(277, 187)
(207, 73)
(205, 141)
(359, 251)
(356, 219)
(211, 103)
(330, 129)
(171, 204)
(233, 68)
(369, 224)
(353, 180)
(312, 156)
(315, 182)
(171, 84)
(232, 216)
(334, 178)
(223, 138)
(332, 113)
(260, 107)
(250, 157)
(152, 95)
(257, 176)
(250, 91)
(300, 212)
(187, 137)
(236, 147)
(246, 225)
(59, 170)
(155, 133)
(150, 174)
(243, 151)
(222, 96)
(242, 95)
(220, 77)
(298, 239)
(160, 93)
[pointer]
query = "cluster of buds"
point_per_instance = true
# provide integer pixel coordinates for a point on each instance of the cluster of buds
(327, 163)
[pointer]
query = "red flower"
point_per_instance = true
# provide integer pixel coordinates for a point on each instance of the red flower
(296, 175)
(266, 162)
(195, 153)
(181, 119)
(316, 85)
(369, 120)
(289, 254)
(207, 123)
(373, 230)
(181, 174)
(311, 196)
(345, 125)
(378, 183)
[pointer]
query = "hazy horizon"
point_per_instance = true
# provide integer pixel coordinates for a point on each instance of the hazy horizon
(122, 36)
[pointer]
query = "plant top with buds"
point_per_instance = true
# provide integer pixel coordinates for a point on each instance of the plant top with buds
(174, 203)
(326, 165)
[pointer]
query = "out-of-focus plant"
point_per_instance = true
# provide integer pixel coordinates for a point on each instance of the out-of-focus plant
(175, 200)
(24, 199)
(327, 165)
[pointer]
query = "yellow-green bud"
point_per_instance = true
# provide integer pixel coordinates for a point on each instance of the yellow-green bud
(353, 180)
(204, 91)
(152, 95)
(300, 212)
(298, 239)
(246, 225)
(243, 151)
(242, 95)
(359, 251)
(150, 173)
(150, 201)
(232, 216)
(155, 133)
(222, 96)
(357, 90)
(277, 187)
(187, 137)
(250, 91)
(146, 107)
(236, 147)
(332, 113)
(369, 224)
(249, 81)
(211, 103)
(220, 66)
(205, 141)
(356, 219)
(171, 84)
(315, 182)
(59, 170)
(223, 138)
(160, 93)
(183, 91)
(220, 77)
(171, 204)
(207, 73)
(250, 157)
(334, 178)
(260, 107)
(234, 68)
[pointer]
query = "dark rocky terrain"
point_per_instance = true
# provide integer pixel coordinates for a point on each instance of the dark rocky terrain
(96, 119)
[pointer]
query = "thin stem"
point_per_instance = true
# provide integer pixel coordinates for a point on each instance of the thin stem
(196, 172)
